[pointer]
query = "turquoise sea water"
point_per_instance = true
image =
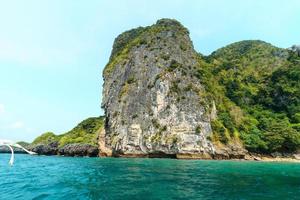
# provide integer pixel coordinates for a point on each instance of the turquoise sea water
(41, 177)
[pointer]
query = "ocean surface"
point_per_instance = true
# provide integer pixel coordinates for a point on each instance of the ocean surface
(42, 177)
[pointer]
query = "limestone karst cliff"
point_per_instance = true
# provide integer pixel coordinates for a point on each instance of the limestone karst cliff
(153, 104)
(162, 98)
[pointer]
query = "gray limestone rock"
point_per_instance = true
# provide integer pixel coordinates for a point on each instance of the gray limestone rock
(78, 150)
(153, 100)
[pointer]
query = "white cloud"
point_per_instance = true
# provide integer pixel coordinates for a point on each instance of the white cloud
(17, 125)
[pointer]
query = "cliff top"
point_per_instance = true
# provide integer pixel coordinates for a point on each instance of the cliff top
(142, 36)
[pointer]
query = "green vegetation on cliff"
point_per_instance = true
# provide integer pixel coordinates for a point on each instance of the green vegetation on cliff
(137, 37)
(46, 138)
(85, 132)
(256, 88)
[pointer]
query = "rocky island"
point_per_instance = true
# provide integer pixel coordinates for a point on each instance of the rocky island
(164, 99)
(80, 141)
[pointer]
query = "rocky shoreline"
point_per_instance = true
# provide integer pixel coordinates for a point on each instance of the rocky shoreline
(274, 158)
(67, 150)
(246, 157)
(72, 150)
(81, 150)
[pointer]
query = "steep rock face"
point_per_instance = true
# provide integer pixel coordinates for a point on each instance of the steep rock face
(296, 48)
(153, 103)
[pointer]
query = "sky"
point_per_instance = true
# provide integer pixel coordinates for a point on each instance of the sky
(52, 52)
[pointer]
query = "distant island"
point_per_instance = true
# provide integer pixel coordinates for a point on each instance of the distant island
(163, 99)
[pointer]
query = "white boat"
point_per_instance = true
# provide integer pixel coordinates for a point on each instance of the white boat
(10, 144)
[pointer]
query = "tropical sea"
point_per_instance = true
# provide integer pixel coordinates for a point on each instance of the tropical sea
(54, 177)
